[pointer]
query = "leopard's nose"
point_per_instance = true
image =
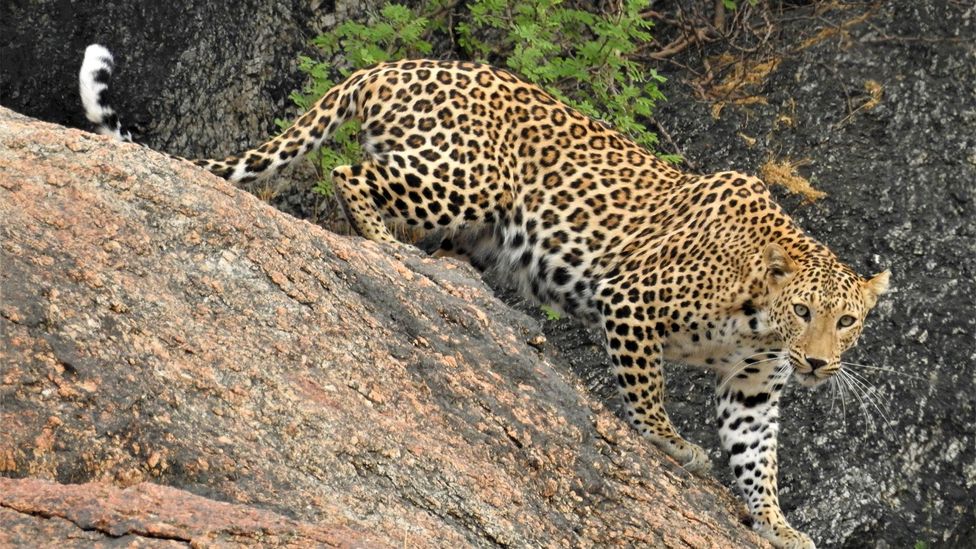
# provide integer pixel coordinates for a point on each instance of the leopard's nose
(816, 362)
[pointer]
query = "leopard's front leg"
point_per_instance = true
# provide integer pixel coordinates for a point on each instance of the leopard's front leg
(748, 413)
(637, 364)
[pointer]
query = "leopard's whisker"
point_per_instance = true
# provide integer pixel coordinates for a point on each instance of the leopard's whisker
(736, 368)
(842, 389)
(852, 365)
(832, 383)
(871, 392)
(782, 372)
(859, 364)
(853, 390)
(871, 399)
(867, 397)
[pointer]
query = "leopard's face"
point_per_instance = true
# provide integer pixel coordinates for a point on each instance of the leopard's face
(817, 309)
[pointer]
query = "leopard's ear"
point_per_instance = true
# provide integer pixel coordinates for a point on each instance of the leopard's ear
(779, 265)
(874, 287)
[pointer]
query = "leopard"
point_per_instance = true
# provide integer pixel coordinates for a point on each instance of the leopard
(705, 270)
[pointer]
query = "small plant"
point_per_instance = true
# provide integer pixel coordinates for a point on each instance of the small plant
(732, 5)
(550, 313)
(582, 57)
(397, 33)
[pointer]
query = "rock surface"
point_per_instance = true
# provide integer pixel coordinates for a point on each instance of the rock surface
(227, 66)
(99, 514)
(159, 325)
(900, 179)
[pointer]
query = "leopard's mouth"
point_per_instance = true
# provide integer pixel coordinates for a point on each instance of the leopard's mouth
(804, 375)
(808, 379)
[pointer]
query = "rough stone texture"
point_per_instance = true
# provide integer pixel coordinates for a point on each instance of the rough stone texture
(99, 514)
(901, 194)
(159, 325)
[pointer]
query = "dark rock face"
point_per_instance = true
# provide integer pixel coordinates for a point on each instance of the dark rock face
(160, 49)
(192, 78)
(159, 325)
(900, 180)
(901, 194)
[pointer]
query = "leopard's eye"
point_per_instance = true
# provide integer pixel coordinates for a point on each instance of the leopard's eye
(846, 320)
(802, 311)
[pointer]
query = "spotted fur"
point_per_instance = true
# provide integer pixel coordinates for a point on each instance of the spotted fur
(93, 80)
(706, 270)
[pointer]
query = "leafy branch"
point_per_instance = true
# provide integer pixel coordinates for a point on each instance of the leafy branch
(585, 58)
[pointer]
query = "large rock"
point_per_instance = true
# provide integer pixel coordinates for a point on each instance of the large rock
(159, 325)
(900, 177)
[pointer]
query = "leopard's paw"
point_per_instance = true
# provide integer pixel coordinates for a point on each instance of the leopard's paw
(692, 457)
(785, 537)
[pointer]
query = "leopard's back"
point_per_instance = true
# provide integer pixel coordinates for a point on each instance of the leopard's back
(551, 197)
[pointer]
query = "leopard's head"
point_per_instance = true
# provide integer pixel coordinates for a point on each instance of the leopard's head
(817, 308)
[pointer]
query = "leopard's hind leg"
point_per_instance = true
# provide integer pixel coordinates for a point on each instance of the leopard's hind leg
(395, 187)
(359, 190)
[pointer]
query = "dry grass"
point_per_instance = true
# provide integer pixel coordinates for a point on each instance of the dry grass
(842, 30)
(267, 192)
(875, 92)
(750, 100)
(784, 172)
(743, 73)
(750, 141)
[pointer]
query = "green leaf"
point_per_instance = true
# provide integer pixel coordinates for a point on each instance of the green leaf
(550, 313)
(396, 12)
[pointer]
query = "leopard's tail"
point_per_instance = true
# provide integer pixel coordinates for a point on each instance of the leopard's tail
(308, 133)
(93, 79)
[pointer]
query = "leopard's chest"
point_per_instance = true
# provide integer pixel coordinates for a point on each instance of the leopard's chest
(722, 343)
